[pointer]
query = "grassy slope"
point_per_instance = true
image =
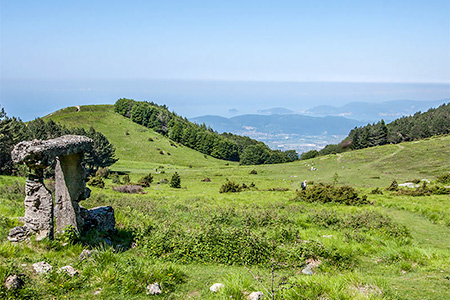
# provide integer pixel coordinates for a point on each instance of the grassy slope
(134, 150)
(424, 259)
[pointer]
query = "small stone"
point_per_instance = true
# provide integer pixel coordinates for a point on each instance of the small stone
(153, 289)
(216, 287)
(87, 253)
(69, 270)
(327, 236)
(97, 291)
(255, 296)
(307, 271)
(14, 282)
(42, 267)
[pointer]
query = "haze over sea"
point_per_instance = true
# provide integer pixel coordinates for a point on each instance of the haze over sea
(29, 99)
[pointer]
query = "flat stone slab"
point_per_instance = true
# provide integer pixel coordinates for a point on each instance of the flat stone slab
(41, 153)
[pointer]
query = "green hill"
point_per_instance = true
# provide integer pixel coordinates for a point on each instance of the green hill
(137, 147)
(392, 246)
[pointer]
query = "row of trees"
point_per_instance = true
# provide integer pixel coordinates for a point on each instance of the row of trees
(225, 146)
(435, 121)
(13, 131)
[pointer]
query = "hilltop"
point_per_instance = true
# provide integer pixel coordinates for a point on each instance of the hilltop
(134, 143)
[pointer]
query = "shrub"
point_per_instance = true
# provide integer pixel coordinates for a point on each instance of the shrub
(424, 190)
(146, 180)
(377, 191)
(129, 189)
(206, 180)
(97, 182)
(230, 187)
(393, 186)
(445, 178)
(253, 172)
(126, 179)
(102, 172)
(115, 178)
(175, 181)
(150, 139)
(330, 193)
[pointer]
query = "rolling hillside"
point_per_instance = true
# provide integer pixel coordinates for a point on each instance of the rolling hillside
(133, 142)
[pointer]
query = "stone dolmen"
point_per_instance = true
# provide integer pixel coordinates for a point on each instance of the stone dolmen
(42, 217)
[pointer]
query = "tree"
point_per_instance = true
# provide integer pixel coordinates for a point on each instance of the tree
(175, 182)
(12, 131)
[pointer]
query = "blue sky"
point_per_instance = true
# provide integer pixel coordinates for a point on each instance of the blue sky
(357, 41)
(201, 57)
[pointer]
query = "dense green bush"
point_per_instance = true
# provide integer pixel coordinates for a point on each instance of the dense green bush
(97, 182)
(368, 221)
(445, 178)
(330, 193)
(146, 180)
(230, 187)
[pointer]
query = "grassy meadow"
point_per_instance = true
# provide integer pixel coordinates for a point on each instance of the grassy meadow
(259, 239)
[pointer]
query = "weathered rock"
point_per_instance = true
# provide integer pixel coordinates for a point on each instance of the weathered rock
(41, 153)
(42, 267)
(255, 296)
(410, 185)
(102, 218)
(38, 208)
(153, 289)
(216, 287)
(69, 270)
(308, 270)
(14, 282)
(87, 253)
(70, 188)
(18, 234)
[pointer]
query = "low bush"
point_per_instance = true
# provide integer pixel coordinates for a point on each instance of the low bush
(393, 186)
(146, 180)
(230, 187)
(331, 193)
(96, 181)
(377, 191)
(369, 221)
(278, 189)
(424, 190)
(129, 189)
(445, 178)
(126, 179)
(103, 172)
(253, 172)
(115, 178)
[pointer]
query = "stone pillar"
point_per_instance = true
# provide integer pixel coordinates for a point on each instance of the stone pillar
(70, 188)
(38, 208)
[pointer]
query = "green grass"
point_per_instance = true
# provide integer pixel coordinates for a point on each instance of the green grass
(189, 238)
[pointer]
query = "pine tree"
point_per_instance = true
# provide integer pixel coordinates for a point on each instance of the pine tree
(175, 182)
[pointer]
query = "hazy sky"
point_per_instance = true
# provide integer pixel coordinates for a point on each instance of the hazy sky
(358, 41)
(212, 57)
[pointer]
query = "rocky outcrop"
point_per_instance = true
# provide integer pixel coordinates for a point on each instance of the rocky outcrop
(70, 188)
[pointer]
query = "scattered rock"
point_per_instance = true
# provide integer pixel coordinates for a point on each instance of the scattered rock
(18, 234)
(14, 282)
(327, 236)
(87, 253)
(425, 180)
(410, 185)
(153, 289)
(69, 270)
(42, 267)
(216, 287)
(102, 218)
(255, 296)
(97, 291)
(307, 270)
